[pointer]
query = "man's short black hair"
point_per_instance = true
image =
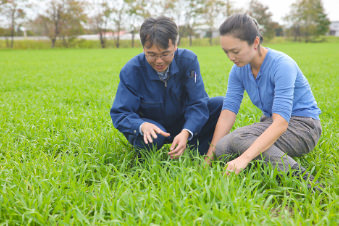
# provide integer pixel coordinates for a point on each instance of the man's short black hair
(158, 31)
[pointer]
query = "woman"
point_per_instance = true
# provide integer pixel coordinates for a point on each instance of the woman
(290, 123)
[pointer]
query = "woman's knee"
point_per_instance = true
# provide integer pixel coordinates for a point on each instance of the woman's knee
(224, 145)
(236, 142)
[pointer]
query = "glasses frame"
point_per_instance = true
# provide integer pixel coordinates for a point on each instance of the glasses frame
(164, 57)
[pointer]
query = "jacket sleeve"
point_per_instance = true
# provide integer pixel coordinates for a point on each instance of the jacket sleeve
(196, 109)
(124, 110)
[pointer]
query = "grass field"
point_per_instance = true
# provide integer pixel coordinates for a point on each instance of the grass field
(62, 162)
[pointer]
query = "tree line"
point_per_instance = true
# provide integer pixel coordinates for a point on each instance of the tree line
(64, 20)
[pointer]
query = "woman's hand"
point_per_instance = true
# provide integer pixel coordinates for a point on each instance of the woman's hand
(236, 165)
(208, 160)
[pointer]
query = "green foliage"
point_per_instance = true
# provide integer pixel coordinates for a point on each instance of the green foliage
(94, 44)
(264, 17)
(61, 20)
(62, 162)
(308, 20)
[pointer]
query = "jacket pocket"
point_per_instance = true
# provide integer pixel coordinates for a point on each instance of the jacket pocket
(151, 109)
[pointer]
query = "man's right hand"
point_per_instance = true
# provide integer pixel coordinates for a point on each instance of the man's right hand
(150, 132)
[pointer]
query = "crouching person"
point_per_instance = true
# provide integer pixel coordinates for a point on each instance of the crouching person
(161, 96)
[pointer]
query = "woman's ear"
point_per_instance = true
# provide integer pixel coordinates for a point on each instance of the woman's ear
(256, 42)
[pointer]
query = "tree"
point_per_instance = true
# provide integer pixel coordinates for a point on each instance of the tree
(211, 10)
(294, 23)
(118, 14)
(175, 9)
(100, 20)
(278, 29)
(137, 11)
(73, 19)
(307, 19)
(51, 21)
(193, 16)
(14, 10)
(62, 19)
(264, 17)
(230, 9)
(164, 7)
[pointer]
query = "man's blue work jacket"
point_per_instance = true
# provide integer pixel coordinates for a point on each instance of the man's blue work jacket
(141, 94)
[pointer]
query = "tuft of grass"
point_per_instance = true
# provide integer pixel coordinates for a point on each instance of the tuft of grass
(62, 162)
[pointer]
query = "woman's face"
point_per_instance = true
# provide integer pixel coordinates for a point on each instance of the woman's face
(238, 51)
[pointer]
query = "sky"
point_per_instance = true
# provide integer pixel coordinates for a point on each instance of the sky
(280, 8)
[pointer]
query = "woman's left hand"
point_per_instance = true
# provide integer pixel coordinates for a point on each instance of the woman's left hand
(236, 165)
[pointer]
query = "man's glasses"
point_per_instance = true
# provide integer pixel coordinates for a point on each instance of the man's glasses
(164, 57)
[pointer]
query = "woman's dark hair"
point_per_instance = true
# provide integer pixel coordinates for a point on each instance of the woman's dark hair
(241, 26)
(158, 31)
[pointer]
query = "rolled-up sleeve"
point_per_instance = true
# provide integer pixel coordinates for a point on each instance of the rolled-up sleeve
(284, 83)
(234, 93)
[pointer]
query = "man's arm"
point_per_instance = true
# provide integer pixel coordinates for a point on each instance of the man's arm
(196, 110)
(124, 114)
(124, 110)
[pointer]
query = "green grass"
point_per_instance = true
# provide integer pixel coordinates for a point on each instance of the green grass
(62, 162)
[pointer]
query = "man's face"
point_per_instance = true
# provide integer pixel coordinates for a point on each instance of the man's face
(159, 58)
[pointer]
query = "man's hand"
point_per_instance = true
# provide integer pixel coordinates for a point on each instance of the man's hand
(179, 144)
(150, 132)
(236, 165)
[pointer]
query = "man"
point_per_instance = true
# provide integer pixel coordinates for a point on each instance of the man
(161, 96)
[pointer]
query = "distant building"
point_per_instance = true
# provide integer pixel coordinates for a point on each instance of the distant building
(334, 28)
(124, 35)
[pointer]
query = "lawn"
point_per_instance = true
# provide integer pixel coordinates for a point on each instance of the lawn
(62, 161)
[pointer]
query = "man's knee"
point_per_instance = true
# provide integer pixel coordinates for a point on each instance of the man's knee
(215, 105)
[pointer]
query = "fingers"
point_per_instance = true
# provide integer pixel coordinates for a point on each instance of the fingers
(177, 148)
(173, 146)
(148, 138)
(229, 169)
(176, 153)
(207, 161)
(179, 152)
(150, 132)
(164, 133)
(154, 135)
(159, 131)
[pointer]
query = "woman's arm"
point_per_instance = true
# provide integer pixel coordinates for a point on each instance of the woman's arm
(261, 144)
(223, 127)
